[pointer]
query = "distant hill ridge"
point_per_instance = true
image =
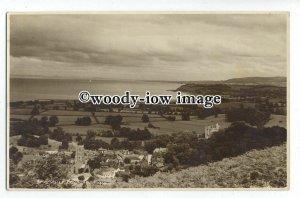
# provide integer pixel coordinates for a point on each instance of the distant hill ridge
(278, 79)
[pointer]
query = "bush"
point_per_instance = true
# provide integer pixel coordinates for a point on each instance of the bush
(43, 140)
(53, 120)
(114, 121)
(127, 160)
(171, 118)
(84, 121)
(29, 141)
(249, 115)
(145, 118)
(64, 144)
(59, 134)
(185, 116)
(15, 155)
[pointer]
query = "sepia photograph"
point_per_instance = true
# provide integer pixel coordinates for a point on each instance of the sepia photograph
(148, 100)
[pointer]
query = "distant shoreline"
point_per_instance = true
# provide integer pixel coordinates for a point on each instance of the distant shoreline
(231, 80)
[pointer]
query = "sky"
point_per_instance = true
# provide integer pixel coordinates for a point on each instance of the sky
(171, 47)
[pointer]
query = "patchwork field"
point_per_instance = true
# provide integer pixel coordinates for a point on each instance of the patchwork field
(277, 120)
(133, 120)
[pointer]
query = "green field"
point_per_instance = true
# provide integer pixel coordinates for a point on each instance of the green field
(277, 120)
(132, 119)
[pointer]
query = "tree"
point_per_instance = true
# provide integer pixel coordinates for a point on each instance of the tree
(171, 118)
(114, 121)
(115, 143)
(150, 146)
(64, 144)
(90, 135)
(81, 178)
(125, 178)
(258, 118)
(50, 168)
(43, 140)
(53, 120)
(91, 179)
(44, 121)
(64, 160)
(15, 155)
(35, 111)
(84, 185)
(29, 140)
(73, 154)
(13, 179)
(78, 138)
(93, 164)
(204, 113)
(58, 134)
(84, 121)
(250, 115)
(127, 160)
(185, 116)
(145, 118)
(12, 150)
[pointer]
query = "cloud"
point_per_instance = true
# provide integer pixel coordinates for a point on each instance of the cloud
(150, 46)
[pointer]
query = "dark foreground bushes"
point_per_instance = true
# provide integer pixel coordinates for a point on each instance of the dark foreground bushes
(233, 141)
(240, 138)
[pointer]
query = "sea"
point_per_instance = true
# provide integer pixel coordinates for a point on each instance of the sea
(21, 89)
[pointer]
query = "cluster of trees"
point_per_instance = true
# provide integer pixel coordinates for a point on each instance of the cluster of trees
(115, 143)
(240, 138)
(49, 168)
(15, 155)
(35, 110)
(84, 121)
(33, 135)
(204, 112)
(185, 149)
(171, 118)
(185, 116)
(135, 135)
(33, 126)
(267, 106)
(95, 144)
(114, 121)
(92, 143)
(59, 135)
(32, 141)
(100, 160)
(97, 161)
(46, 122)
(144, 171)
(130, 134)
(159, 141)
(250, 115)
(145, 118)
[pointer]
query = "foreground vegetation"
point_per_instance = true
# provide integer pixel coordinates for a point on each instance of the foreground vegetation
(257, 168)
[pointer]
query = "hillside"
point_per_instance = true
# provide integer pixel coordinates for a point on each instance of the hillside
(274, 81)
(258, 168)
(257, 80)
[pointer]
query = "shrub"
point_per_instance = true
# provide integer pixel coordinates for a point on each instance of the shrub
(84, 121)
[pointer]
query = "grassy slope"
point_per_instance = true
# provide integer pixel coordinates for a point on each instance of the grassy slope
(257, 168)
